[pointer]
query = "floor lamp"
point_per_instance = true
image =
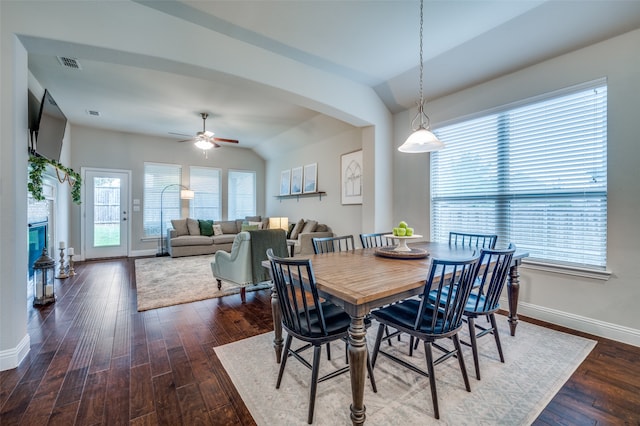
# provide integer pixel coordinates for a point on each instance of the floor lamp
(185, 194)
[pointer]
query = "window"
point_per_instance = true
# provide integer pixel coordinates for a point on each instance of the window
(205, 182)
(535, 174)
(156, 178)
(242, 194)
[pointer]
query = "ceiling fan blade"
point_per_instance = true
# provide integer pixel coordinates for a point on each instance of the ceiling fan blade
(179, 134)
(188, 140)
(225, 140)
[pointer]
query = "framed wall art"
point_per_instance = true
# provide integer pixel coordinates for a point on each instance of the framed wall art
(296, 180)
(351, 177)
(310, 181)
(285, 182)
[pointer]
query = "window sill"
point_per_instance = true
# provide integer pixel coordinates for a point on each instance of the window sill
(577, 271)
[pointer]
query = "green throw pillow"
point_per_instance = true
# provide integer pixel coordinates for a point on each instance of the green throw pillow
(249, 227)
(206, 227)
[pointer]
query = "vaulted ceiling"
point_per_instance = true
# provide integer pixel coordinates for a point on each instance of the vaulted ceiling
(368, 43)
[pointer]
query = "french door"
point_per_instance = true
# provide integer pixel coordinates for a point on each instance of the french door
(106, 213)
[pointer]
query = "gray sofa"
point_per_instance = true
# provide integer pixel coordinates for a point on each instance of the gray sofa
(186, 237)
(302, 234)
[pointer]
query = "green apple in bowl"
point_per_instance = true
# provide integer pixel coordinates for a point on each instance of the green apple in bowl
(402, 224)
(395, 231)
(409, 232)
(402, 232)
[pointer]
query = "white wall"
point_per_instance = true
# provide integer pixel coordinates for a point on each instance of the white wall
(607, 308)
(327, 139)
(100, 148)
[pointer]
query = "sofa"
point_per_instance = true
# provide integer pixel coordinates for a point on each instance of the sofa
(192, 237)
(302, 232)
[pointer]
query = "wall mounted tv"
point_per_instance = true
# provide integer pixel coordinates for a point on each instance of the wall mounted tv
(50, 128)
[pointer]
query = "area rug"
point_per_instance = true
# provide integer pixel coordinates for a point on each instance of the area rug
(167, 281)
(538, 361)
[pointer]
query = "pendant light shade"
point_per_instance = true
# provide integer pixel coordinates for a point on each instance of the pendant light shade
(422, 139)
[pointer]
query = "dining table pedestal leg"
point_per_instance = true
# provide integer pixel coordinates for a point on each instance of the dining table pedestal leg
(513, 292)
(357, 367)
(277, 325)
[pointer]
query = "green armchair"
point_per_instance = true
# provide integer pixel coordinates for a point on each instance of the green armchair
(243, 266)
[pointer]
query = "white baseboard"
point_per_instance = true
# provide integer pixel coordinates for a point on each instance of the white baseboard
(576, 322)
(141, 253)
(11, 358)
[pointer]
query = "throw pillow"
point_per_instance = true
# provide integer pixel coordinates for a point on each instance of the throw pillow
(217, 230)
(180, 226)
(291, 226)
(322, 228)
(309, 226)
(194, 226)
(296, 229)
(258, 224)
(247, 227)
(206, 227)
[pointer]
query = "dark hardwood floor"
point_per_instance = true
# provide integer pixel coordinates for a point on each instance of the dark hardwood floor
(95, 360)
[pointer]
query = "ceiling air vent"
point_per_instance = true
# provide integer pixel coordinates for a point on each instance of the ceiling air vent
(69, 62)
(93, 113)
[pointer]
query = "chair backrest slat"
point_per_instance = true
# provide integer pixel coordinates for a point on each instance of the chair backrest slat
(452, 281)
(463, 239)
(377, 239)
(333, 244)
(492, 273)
(295, 286)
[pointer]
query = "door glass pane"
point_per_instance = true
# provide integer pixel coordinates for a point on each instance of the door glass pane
(106, 212)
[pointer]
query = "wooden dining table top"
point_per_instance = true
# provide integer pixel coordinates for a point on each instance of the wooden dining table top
(360, 280)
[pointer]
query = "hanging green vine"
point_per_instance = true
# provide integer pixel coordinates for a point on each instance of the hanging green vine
(39, 165)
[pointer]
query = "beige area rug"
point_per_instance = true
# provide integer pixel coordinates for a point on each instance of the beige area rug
(538, 361)
(167, 281)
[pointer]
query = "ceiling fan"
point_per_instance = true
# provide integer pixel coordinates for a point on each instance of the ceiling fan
(205, 140)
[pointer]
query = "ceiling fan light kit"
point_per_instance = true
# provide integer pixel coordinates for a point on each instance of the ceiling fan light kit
(204, 140)
(422, 139)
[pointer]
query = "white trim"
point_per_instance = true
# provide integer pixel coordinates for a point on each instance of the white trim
(11, 358)
(142, 253)
(577, 271)
(611, 331)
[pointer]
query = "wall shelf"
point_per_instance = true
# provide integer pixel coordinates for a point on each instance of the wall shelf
(318, 194)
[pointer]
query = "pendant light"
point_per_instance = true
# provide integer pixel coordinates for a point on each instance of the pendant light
(422, 139)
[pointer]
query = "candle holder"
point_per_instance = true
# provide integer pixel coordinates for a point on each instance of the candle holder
(72, 272)
(62, 274)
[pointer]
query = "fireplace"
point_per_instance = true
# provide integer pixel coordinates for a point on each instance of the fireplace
(38, 239)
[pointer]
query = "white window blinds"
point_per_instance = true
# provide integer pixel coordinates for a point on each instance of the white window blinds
(242, 194)
(205, 182)
(156, 178)
(535, 174)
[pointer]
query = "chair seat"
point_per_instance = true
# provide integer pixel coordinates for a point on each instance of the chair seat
(336, 320)
(402, 316)
(474, 305)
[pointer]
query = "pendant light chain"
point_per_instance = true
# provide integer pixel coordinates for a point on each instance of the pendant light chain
(421, 61)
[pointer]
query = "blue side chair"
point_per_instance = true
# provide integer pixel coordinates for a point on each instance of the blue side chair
(484, 300)
(430, 319)
(463, 239)
(308, 318)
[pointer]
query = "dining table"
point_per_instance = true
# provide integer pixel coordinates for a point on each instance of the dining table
(364, 279)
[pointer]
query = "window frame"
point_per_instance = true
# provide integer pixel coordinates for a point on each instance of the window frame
(253, 212)
(156, 203)
(199, 194)
(499, 194)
